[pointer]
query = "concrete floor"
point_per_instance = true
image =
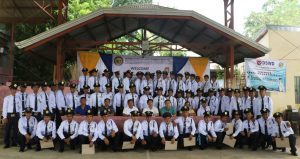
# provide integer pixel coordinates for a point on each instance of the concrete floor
(211, 153)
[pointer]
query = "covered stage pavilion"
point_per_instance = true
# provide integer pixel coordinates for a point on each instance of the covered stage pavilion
(185, 28)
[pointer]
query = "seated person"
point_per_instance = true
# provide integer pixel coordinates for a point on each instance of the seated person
(108, 132)
(132, 128)
(109, 109)
(206, 131)
(191, 110)
(83, 108)
(168, 131)
(266, 127)
(237, 129)
(283, 130)
(186, 126)
(87, 132)
(220, 129)
(27, 127)
(127, 110)
(150, 108)
(46, 130)
(251, 128)
(168, 108)
(149, 132)
(68, 131)
(203, 107)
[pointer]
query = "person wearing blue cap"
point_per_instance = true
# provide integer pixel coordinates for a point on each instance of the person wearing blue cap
(168, 130)
(149, 137)
(11, 112)
(251, 128)
(87, 132)
(220, 129)
(206, 131)
(132, 128)
(108, 132)
(83, 79)
(27, 128)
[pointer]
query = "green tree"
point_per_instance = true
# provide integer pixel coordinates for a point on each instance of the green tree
(276, 12)
(118, 3)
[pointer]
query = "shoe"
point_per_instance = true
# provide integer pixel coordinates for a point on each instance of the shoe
(283, 150)
(294, 154)
(6, 146)
(38, 149)
(29, 147)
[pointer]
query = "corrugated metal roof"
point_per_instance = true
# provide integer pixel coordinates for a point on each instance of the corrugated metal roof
(182, 26)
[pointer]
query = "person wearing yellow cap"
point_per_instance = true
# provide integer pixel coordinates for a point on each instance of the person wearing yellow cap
(251, 130)
(282, 129)
(11, 112)
(206, 131)
(220, 129)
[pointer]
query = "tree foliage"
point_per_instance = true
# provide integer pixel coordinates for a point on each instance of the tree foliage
(276, 12)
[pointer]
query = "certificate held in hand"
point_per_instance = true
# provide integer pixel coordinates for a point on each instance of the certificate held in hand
(87, 150)
(228, 141)
(187, 142)
(170, 146)
(282, 143)
(46, 145)
(127, 145)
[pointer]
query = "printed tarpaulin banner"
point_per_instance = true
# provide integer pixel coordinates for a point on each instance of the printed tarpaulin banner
(267, 72)
(122, 63)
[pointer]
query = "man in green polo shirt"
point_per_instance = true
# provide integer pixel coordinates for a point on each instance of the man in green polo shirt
(168, 108)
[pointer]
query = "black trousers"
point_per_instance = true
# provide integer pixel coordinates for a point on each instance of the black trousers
(38, 116)
(22, 141)
(11, 127)
(251, 141)
(95, 111)
(114, 143)
(119, 111)
(152, 142)
(73, 142)
(38, 143)
(167, 138)
(204, 141)
(265, 141)
(292, 141)
(57, 117)
(128, 138)
(181, 139)
(220, 138)
(238, 142)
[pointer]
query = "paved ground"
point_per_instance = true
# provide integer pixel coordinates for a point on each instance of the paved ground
(12, 153)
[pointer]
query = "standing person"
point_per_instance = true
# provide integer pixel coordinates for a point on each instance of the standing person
(168, 131)
(206, 131)
(189, 98)
(131, 95)
(34, 101)
(180, 101)
(214, 83)
(245, 96)
(197, 98)
(87, 132)
(159, 100)
(194, 84)
(220, 129)
(118, 102)
(108, 132)
(86, 94)
(212, 100)
(22, 95)
(251, 128)
(83, 80)
(180, 85)
(45, 97)
(263, 101)
(126, 81)
(158, 82)
(187, 81)
(46, 130)
(105, 80)
(72, 98)
(223, 103)
(11, 112)
(251, 100)
(68, 131)
(83, 107)
(61, 102)
(148, 82)
(237, 129)
(237, 104)
(231, 99)
(206, 85)
(27, 128)
(93, 79)
(173, 83)
(266, 128)
(166, 80)
(144, 98)
(52, 98)
(186, 126)
(149, 132)
(116, 81)
(138, 82)
(282, 129)
(132, 128)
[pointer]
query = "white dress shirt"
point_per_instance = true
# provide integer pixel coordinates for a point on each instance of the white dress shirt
(93, 80)
(153, 128)
(172, 130)
(269, 123)
(205, 86)
(143, 101)
(224, 104)
(159, 83)
(110, 96)
(127, 110)
(201, 110)
(219, 126)
(268, 103)
(23, 98)
(24, 129)
(61, 101)
(187, 123)
(103, 81)
(41, 129)
(126, 83)
(118, 100)
(212, 101)
(87, 129)
(105, 132)
(31, 103)
(180, 103)
(130, 130)
(115, 83)
(133, 96)
(138, 84)
(173, 86)
(64, 128)
(72, 100)
(206, 128)
(87, 97)
(148, 83)
(173, 101)
(82, 81)
(250, 126)
(285, 130)
(154, 110)
(237, 127)
(8, 105)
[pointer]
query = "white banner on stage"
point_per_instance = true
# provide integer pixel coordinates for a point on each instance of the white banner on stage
(144, 64)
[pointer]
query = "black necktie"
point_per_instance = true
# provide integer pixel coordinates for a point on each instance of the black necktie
(132, 128)
(184, 126)
(47, 103)
(95, 80)
(248, 126)
(27, 127)
(149, 128)
(209, 101)
(158, 104)
(251, 104)
(167, 130)
(105, 129)
(279, 130)
(262, 103)
(73, 100)
(234, 126)
(97, 106)
(84, 81)
(207, 127)
(121, 102)
(220, 105)
(35, 103)
(266, 128)
(89, 131)
(14, 109)
(46, 130)
(199, 102)
(133, 98)
(69, 129)
(238, 104)
(23, 102)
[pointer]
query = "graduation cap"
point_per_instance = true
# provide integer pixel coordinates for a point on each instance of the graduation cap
(24, 85)
(185, 108)
(13, 86)
(203, 100)
(261, 87)
(104, 112)
(237, 91)
(46, 112)
(167, 114)
(199, 90)
(149, 113)
(277, 115)
(146, 88)
(247, 110)
(108, 85)
(265, 110)
(69, 111)
(73, 85)
(84, 69)
(121, 86)
(61, 83)
(132, 85)
(86, 87)
(89, 112)
(134, 113)
(207, 114)
(28, 110)
(226, 113)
